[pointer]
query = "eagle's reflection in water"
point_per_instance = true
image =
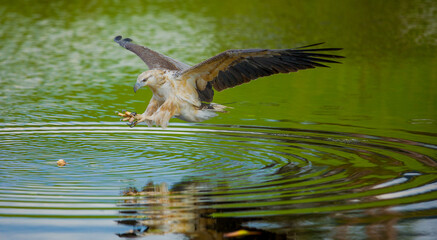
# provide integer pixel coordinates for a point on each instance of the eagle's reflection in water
(182, 212)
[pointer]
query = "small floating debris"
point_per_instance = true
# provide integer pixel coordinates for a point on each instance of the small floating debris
(61, 162)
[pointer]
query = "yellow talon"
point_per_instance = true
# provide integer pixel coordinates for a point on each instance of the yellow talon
(131, 117)
(125, 114)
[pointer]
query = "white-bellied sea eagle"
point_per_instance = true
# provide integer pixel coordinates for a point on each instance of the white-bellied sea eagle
(186, 92)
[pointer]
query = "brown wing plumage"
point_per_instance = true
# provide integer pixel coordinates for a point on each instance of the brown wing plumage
(151, 58)
(234, 67)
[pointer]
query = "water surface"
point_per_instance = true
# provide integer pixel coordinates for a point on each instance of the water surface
(347, 152)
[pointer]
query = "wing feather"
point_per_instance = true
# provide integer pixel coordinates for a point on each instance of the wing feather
(234, 67)
(151, 58)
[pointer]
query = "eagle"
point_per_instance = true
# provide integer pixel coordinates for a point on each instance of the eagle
(186, 92)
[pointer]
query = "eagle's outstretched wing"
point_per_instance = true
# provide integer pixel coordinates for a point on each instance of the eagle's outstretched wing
(234, 67)
(151, 58)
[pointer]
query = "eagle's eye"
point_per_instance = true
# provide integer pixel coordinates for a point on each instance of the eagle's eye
(145, 79)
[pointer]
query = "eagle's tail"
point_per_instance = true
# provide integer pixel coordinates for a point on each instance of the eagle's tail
(214, 107)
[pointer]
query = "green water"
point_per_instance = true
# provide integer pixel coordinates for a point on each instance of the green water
(347, 152)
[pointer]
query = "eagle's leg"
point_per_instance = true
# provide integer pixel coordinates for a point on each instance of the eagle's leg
(166, 111)
(140, 118)
(151, 109)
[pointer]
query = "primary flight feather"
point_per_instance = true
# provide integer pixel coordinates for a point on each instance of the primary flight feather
(187, 92)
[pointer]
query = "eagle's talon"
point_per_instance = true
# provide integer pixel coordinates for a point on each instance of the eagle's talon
(131, 117)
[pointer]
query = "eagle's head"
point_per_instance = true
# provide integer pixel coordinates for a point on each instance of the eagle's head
(148, 78)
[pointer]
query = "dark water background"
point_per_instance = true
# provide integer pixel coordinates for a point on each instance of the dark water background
(347, 152)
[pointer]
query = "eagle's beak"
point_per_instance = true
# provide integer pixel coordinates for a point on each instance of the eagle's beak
(137, 86)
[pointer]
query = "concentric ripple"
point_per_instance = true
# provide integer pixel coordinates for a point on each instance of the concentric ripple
(164, 179)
